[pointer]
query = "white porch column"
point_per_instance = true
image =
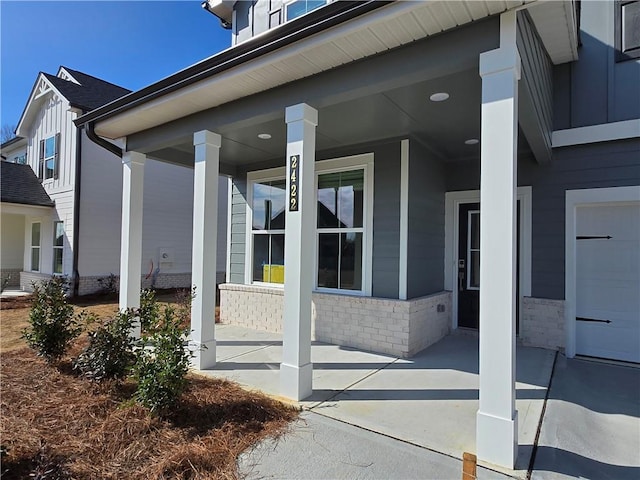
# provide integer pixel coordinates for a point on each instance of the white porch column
(203, 267)
(131, 239)
(497, 418)
(296, 369)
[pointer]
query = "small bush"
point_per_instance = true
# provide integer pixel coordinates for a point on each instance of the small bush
(162, 364)
(110, 353)
(149, 311)
(52, 322)
(108, 285)
(184, 298)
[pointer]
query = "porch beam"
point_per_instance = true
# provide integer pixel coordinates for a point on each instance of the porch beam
(203, 267)
(296, 369)
(497, 418)
(131, 237)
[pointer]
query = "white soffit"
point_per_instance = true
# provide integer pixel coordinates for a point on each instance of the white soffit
(557, 26)
(386, 28)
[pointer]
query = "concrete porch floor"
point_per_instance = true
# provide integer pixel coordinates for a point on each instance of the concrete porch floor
(429, 401)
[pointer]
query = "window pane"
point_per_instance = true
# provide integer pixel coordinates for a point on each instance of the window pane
(340, 199)
(35, 259)
(351, 261)
(300, 7)
(58, 240)
(276, 269)
(268, 205)
(630, 26)
(49, 168)
(35, 234)
(57, 260)
(49, 147)
(328, 248)
(260, 256)
(474, 270)
(475, 229)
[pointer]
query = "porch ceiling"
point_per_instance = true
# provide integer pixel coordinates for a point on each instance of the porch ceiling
(396, 113)
(385, 28)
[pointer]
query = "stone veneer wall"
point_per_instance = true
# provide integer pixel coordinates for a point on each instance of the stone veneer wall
(89, 285)
(396, 327)
(542, 323)
(14, 276)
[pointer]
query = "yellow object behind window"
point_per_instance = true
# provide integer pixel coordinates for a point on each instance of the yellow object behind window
(273, 273)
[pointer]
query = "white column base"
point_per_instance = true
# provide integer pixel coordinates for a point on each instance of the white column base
(204, 354)
(497, 439)
(296, 382)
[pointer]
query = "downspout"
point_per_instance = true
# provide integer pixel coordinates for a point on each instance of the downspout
(76, 212)
(91, 135)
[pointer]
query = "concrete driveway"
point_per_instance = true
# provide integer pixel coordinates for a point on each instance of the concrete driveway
(424, 409)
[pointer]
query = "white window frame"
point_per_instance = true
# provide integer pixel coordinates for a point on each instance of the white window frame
(289, 2)
(57, 247)
(38, 247)
(470, 213)
(342, 164)
(52, 157)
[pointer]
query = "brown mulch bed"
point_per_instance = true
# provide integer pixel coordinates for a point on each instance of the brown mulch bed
(53, 421)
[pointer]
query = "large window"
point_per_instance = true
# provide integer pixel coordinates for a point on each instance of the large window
(58, 246)
(267, 229)
(344, 220)
(49, 157)
(35, 247)
(627, 30)
(340, 229)
(298, 8)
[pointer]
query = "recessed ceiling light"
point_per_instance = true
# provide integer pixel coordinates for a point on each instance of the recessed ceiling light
(264, 136)
(472, 141)
(439, 97)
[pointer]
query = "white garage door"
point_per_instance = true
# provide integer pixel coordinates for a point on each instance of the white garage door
(608, 281)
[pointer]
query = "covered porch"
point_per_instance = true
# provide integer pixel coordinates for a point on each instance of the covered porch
(399, 125)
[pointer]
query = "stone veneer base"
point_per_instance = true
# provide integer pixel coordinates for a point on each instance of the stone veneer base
(397, 327)
(542, 323)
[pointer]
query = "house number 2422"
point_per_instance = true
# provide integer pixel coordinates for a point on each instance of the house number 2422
(294, 174)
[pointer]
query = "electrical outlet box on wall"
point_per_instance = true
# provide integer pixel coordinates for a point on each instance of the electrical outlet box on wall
(165, 255)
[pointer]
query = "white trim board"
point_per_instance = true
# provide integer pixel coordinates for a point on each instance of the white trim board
(574, 199)
(596, 133)
(453, 200)
(404, 219)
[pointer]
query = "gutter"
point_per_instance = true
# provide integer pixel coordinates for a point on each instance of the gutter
(76, 212)
(290, 32)
(91, 134)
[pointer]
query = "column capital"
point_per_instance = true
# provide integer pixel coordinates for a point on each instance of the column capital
(133, 157)
(499, 60)
(301, 111)
(206, 137)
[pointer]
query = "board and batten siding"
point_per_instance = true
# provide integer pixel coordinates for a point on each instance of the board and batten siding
(536, 88)
(254, 18)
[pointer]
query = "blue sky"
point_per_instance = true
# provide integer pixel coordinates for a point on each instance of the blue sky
(131, 44)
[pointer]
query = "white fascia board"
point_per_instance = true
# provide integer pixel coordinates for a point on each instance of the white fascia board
(605, 132)
(34, 100)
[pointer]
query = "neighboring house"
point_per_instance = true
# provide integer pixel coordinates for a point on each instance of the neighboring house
(61, 209)
(436, 134)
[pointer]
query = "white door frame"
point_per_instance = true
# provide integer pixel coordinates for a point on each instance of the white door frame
(574, 199)
(453, 200)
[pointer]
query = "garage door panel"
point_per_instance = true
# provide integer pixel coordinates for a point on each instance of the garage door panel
(608, 281)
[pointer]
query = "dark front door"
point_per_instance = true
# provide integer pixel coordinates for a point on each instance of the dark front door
(469, 265)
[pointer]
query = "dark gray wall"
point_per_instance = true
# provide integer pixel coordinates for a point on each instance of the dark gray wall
(535, 89)
(596, 89)
(597, 165)
(386, 214)
(255, 17)
(425, 264)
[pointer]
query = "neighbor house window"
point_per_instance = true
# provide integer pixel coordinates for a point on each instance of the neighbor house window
(343, 221)
(35, 247)
(627, 30)
(58, 246)
(267, 230)
(21, 159)
(49, 157)
(298, 8)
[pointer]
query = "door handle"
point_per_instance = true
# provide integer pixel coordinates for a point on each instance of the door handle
(461, 281)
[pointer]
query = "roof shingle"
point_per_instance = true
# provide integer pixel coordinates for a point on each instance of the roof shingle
(19, 184)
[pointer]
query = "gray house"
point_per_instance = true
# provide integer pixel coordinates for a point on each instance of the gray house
(403, 170)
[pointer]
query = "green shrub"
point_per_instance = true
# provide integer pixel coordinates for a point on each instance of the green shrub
(52, 322)
(149, 311)
(162, 364)
(110, 353)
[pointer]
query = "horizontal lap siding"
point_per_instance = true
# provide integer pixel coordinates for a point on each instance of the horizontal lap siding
(238, 229)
